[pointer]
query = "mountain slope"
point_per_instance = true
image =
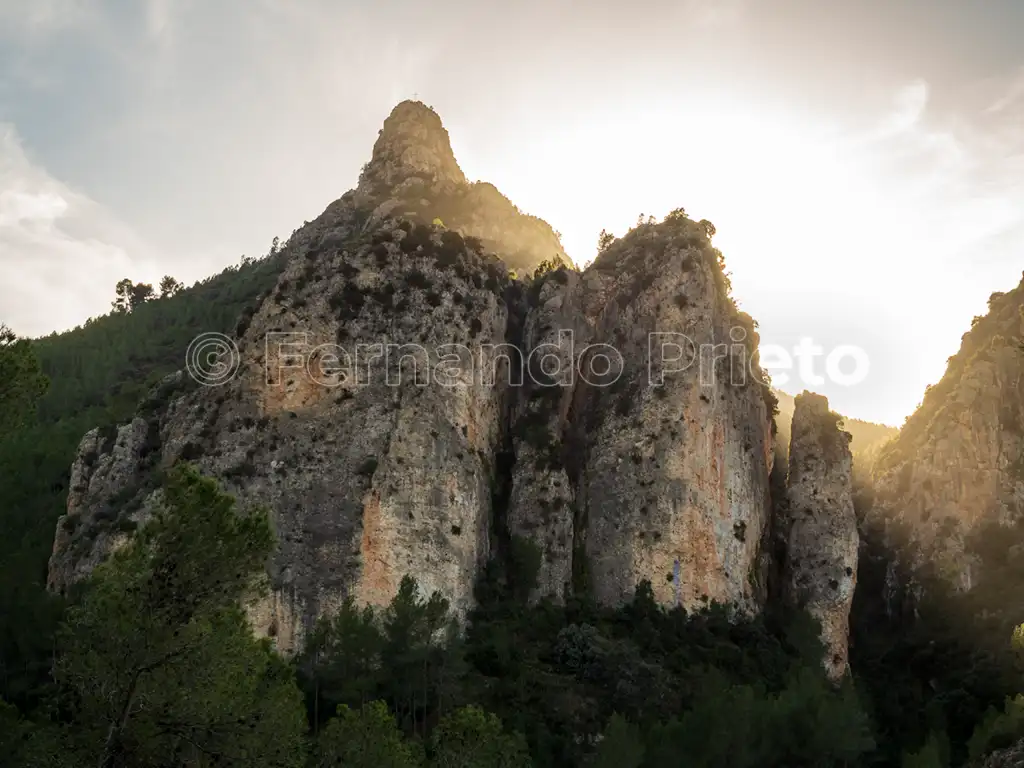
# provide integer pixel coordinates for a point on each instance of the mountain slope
(97, 375)
(958, 462)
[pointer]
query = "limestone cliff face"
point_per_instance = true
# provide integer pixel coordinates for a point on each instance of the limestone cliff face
(369, 474)
(867, 438)
(400, 403)
(958, 462)
(675, 456)
(822, 541)
(629, 469)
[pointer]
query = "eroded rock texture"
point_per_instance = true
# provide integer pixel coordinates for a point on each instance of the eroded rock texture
(628, 469)
(413, 173)
(958, 462)
(401, 403)
(823, 539)
(369, 473)
(675, 457)
(542, 508)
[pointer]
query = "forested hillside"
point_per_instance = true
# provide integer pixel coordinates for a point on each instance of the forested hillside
(97, 374)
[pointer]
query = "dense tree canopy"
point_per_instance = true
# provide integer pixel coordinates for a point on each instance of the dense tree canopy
(22, 382)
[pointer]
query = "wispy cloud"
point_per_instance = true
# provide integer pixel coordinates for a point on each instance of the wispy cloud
(956, 170)
(61, 252)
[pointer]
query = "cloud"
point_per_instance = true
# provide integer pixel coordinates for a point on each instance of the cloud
(163, 18)
(960, 166)
(58, 249)
(909, 107)
(30, 209)
(39, 18)
(947, 226)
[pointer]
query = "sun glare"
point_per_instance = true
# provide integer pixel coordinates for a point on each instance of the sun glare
(801, 208)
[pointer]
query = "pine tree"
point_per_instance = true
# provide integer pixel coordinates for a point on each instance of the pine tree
(365, 738)
(158, 658)
(22, 382)
(472, 738)
(169, 287)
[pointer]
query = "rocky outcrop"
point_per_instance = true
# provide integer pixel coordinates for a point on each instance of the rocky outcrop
(102, 489)
(822, 541)
(1010, 757)
(413, 174)
(866, 438)
(374, 466)
(636, 459)
(958, 462)
(676, 443)
(402, 404)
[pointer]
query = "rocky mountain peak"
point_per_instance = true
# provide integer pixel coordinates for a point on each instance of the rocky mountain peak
(413, 175)
(413, 142)
(373, 469)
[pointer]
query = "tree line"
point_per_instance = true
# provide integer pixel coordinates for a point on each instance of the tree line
(153, 662)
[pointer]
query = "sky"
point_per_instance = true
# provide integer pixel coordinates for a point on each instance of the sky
(863, 162)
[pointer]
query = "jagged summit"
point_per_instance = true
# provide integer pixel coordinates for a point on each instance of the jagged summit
(413, 142)
(413, 174)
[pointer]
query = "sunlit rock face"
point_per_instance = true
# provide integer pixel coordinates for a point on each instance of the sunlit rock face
(383, 403)
(631, 470)
(676, 456)
(413, 173)
(412, 143)
(822, 550)
(958, 462)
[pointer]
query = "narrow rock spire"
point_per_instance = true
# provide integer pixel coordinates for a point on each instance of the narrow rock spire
(823, 538)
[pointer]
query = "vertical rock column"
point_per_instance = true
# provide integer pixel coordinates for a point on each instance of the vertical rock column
(823, 539)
